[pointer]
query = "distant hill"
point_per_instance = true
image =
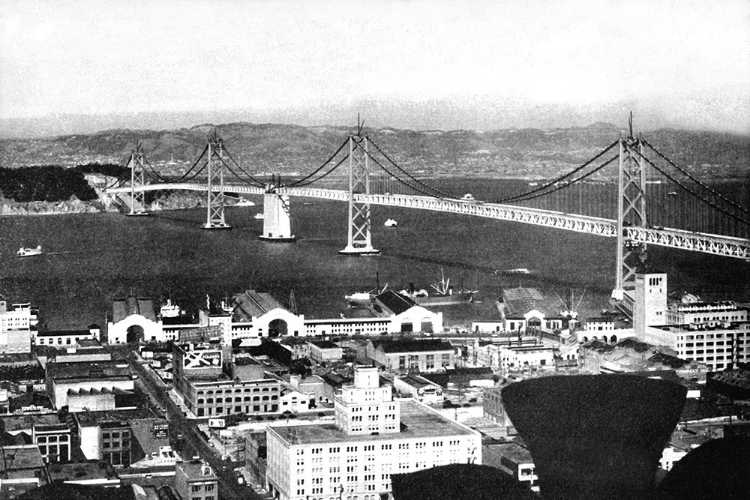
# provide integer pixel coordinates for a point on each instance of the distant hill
(286, 149)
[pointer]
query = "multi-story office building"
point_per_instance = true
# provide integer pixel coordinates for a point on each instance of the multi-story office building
(374, 437)
(714, 333)
(196, 480)
(412, 355)
(17, 327)
(208, 391)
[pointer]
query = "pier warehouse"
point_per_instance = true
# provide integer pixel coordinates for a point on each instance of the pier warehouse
(374, 436)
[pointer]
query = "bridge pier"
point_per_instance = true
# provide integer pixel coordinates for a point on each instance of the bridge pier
(277, 220)
(359, 240)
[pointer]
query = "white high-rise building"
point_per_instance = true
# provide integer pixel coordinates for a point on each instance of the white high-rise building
(373, 437)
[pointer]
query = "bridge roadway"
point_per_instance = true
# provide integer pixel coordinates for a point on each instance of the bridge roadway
(667, 237)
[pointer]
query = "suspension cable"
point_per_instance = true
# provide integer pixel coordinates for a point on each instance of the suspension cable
(559, 179)
(295, 183)
(442, 194)
(407, 184)
(696, 195)
(184, 176)
(300, 184)
(701, 184)
(153, 170)
(255, 181)
(569, 184)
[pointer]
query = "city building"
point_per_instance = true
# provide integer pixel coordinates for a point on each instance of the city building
(53, 440)
(89, 386)
(634, 355)
(513, 459)
(196, 480)
(405, 355)
(325, 351)
(527, 309)
(419, 388)
(17, 327)
(207, 391)
(374, 436)
(260, 315)
(512, 354)
(134, 320)
(493, 408)
(66, 338)
(21, 468)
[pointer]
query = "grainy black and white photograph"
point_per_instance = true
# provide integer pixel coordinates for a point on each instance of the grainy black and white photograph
(374, 250)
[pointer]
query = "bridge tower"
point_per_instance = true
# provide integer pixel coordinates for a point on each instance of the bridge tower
(215, 200)
(359, 239)
(137, 180)
(631, 212)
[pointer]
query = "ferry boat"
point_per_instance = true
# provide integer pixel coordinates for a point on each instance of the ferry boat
(391, 223)
(520, 270)
(244, 202)
(445, 294)
(28, 252)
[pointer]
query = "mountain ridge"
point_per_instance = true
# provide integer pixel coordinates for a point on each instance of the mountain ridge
(285, 149)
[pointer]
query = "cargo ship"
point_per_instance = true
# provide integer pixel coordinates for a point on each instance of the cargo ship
(444, 294)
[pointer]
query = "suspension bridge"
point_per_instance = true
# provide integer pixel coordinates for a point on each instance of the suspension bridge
(630, 191)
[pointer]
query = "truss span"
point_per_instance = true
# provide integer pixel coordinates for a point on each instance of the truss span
(666, 237)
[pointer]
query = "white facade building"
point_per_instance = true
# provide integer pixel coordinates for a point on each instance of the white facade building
(374, 437)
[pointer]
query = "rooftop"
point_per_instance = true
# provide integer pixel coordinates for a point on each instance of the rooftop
(22, 457)
(410, 345)
(252, 304)
(512, 450)
(393, 301)
(417, 421)
(94, 418)
(196, 469)
(93, 370)
(123, 308)
(64, 333)
(26, 422)
(324, 344)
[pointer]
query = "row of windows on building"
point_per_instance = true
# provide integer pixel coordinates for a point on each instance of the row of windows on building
(236, 390)
(220, 410)
(413, 360)
(335, 450)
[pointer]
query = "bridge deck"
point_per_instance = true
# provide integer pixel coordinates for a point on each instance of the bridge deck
(667, 237)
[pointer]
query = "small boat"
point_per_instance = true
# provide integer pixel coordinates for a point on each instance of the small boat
(672, 193)
(533, 183)
(467, 197)
(391, 223)
(259, 216)
(244, 202)
(28, 252)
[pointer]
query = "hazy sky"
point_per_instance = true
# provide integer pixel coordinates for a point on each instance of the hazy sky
(413, 64)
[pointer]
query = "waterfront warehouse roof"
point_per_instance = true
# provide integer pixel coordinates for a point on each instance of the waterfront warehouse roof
(122, 308)
(395, 302)
(459, 482)
(512, 450)
(252, 304)
(417, 421)
(519, 301)
(410, 345)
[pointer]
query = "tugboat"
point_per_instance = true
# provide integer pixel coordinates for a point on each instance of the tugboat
(29, 252)
(391, 223)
